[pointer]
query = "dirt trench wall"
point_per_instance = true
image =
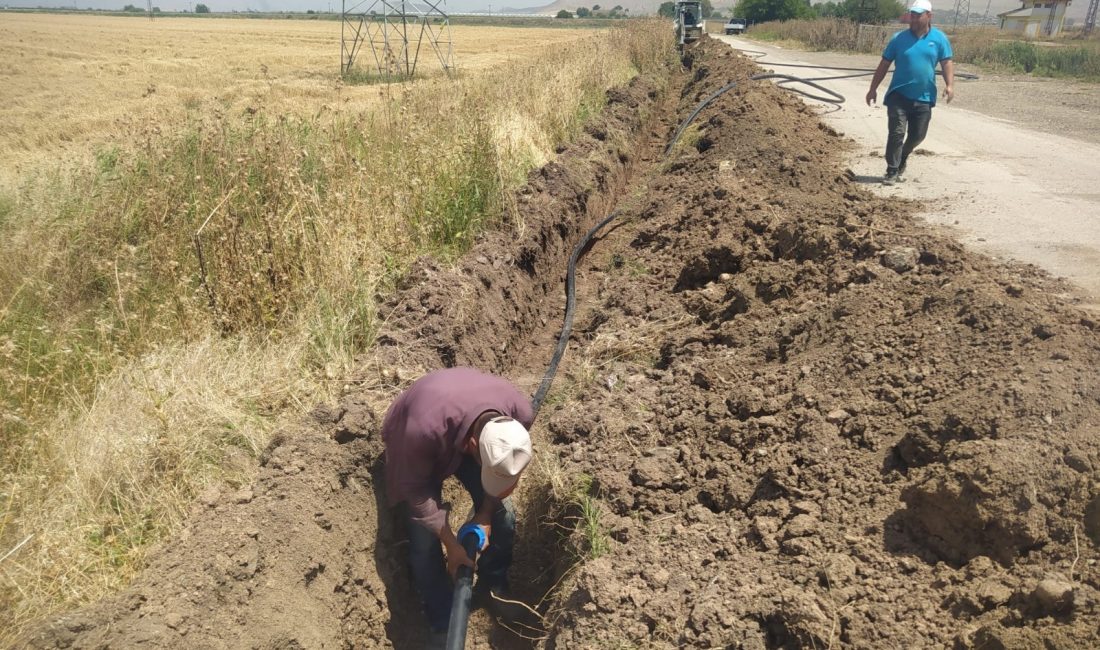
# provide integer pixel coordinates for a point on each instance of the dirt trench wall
(302, 558)
(813, 422)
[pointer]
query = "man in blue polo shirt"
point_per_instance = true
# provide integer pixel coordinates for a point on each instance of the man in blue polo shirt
(912, 93)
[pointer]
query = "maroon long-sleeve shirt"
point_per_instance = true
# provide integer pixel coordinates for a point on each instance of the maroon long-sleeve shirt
(426, 426)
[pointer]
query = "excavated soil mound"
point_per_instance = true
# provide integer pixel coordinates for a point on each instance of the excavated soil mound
(815, 423)
(808, 420)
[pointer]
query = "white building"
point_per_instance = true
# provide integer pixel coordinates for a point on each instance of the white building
(1036, 18)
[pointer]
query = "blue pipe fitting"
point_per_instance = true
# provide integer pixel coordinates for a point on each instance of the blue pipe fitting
(470, 528)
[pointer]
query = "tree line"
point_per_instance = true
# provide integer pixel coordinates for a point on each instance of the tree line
(861, 11)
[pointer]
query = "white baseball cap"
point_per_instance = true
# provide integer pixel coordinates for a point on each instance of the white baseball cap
(920, 6)
(505, 448)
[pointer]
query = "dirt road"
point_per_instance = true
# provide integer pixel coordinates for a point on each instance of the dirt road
(993, 170)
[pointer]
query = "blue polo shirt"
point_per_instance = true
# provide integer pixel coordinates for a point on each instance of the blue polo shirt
(915, 62)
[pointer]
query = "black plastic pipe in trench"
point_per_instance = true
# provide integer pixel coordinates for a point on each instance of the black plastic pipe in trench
(463, 593)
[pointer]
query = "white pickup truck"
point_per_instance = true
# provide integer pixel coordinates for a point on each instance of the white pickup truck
(736, 26)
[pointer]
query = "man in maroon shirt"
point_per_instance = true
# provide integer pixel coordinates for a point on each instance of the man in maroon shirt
(464, 423)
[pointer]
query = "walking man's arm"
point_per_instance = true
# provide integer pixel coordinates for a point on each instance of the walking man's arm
(880, 74)
(948, 67)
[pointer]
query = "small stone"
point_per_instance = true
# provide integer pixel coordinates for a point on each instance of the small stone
(993, 593)
(979, 565)
(244, 495)
(173, 619)
(1078, 462)
(806, 508)
(900, 259)
(1043, 331)
(837, 416)
(656, 577)
(801, 526)
(838, 570)
(799, 546)
(210, 496)
(1053, 596)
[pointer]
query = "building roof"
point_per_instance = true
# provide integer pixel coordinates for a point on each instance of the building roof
(1025, 11)
(1022, 12)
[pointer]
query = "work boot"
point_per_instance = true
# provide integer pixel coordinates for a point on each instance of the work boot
(901, 174)
(890, 178)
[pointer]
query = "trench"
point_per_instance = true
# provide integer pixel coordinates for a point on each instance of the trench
(546, 521)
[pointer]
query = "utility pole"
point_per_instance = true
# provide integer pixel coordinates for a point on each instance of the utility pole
(1090, 17)
(962, 7)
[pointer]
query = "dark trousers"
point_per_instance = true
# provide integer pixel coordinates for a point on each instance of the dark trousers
(906, 118)
(429, 571)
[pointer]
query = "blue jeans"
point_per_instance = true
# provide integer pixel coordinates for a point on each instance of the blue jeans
(429, 571)
(906, 117)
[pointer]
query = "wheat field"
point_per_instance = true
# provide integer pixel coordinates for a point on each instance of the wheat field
(70, 83)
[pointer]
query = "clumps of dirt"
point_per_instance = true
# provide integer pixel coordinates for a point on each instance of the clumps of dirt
(308, 555)
(813, 422)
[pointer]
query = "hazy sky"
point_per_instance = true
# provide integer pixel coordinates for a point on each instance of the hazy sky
(259, 5)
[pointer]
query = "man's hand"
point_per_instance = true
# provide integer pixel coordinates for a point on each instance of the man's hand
(948, 93)
(484, 517)
(876, 79)
(456, 557)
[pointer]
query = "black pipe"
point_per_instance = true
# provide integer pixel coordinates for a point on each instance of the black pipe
(471, 541)
(570, 305)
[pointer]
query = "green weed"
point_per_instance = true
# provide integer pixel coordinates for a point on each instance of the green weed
(595, 539)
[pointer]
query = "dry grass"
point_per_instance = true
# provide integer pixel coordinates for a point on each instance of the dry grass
(820, 35)
(70, 80)
(1066, 56)
(131, 376)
